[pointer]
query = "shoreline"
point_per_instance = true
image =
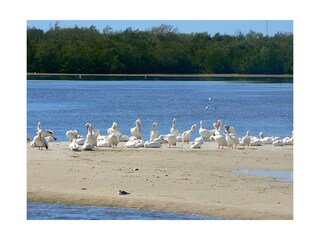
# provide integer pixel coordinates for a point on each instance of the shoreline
(180, 180)
(145, 76)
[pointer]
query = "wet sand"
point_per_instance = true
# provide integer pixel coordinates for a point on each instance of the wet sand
(181, 179)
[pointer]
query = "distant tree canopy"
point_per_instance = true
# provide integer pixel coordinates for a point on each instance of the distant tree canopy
(161, 49)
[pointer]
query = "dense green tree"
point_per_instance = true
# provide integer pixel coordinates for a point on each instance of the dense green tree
(160, 49)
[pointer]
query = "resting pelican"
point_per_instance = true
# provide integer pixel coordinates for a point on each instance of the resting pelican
(173, 129)
(154, 133)
(124, 138)
(72, 134)
(39, 141)
(136, 131)
(231, 136)
(73, 145)
(80, 140)
(134, 143)
(152, 143)
(278, 143)
(246, 140)
(256, 141)
(186, 134)
(195, 144)
(205, 133)
(45, 133)
(288, 140)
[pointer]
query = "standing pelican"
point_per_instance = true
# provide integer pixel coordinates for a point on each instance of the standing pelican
(90, 139)
(186, 134)
(173, 129)
(220, 139)
(39, 141)
(205, 133)
(113, 140)
(154, 133)
(231, 136)
(72, 134)
(114, 130)
(265, 140)
(136, 131)
(245, 141)
(45, 133)
(171, 139)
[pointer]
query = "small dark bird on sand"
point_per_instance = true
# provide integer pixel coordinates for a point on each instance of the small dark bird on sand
(122, 192)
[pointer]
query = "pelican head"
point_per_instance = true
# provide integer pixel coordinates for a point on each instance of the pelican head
(194, 126)
(39, 125)
(226, 128)
(261, 135)
(154, 125)
(115, 126)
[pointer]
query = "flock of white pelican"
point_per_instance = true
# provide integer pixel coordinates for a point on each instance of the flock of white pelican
(224, 136)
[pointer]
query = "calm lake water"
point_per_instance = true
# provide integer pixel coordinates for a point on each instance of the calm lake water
(45, 211)
(67, 105)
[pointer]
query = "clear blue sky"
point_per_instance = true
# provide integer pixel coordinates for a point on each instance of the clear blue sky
(230, 27)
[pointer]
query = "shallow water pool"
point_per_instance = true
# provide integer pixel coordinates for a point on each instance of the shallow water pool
(279, 176)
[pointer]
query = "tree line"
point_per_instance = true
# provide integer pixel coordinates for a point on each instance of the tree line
(162, 49)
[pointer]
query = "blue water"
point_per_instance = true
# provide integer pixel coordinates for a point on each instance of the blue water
(280, 176)
(66, 105)
(45, 211)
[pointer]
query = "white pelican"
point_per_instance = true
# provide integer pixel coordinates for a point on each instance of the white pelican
(45, 133)
(205, 133)
(220, 139)
(152, 144)
(173, 129)
(195, 144)
(179, 138)
(39, 141)
(87, 147)
(154, 133)
(278, 143)
(288, 140)
(124, 138)
(218, 125)
(186, 134)
(134, 143)
(113, 140)
(72, 134)
(103, 143)
(231, 136)
(256, 141)
(114, 130)
(171, 139)
(265, 140)
(73, 145)
(199, 139)
(246, 140)
(136, 131)
(80, 140)
(90, 139)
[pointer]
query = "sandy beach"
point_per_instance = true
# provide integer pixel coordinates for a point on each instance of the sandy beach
(181, 179)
